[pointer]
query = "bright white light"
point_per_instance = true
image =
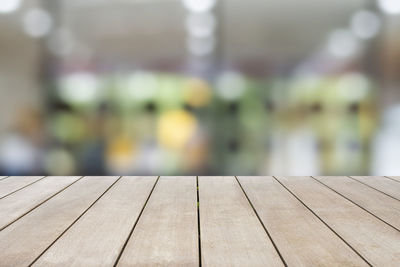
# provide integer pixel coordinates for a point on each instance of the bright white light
(9, 6)
(343, 44)
(390, 6)
(37, 22)
(365, 24)
(142, 85)
(79, 88)
(199, 6)
(201, 24)
(201, 46)
(17, 154)
(231, 85)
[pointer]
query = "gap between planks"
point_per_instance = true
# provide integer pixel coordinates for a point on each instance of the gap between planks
(375, 241)
(231, 233)
(167, 231)
(386, 188)
(393, 178)
(43, 225)
(103, 229)
(80, 216)
(262, 223)
(325, 223)
(198, 219)
(136, 222)
(22, 186)
(355, 202)
(17, 217)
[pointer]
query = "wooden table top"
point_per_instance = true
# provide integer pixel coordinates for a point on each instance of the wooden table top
(195, 221)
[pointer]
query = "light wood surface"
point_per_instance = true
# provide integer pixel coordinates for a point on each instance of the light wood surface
(382, 206)
(166, 234)
(23, 241)
(199, 221)
(377, 242)
(97, 238)
(21, 202)
(387, 186)
(231, 234)
(301, 237)
(9, 186)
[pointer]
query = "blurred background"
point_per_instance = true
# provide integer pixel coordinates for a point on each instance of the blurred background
(201, 87)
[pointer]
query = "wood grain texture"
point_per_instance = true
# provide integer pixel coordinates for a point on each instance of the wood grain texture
(23, 241)
(387, 186)
(301, 237)
(231, 234)
(97, 238)
(8, 186)
(377, 242)
(166, 234)
(21, 202)
(382, 206)
(397, 178)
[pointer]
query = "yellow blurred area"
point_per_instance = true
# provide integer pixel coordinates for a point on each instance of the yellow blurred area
(176, 128)
(121, 153)
(197, 92)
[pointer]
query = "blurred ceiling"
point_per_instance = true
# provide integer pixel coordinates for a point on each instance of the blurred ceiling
(146, 31)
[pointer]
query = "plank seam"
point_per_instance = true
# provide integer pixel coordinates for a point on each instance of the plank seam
(69, 227)
(23, 187)
(355, 204)
(373, 188)
(4, 178)
(262, 223)
(136, 222)
(47, 199)
(198, 219)
(391, 179)
(326, 224)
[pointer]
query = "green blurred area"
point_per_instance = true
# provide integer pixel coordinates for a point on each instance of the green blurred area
(151, 123)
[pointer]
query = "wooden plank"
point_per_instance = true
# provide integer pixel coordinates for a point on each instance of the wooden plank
(382, 206)
(167, 232)
(9, 186)
(301, 237)
(377, 242)
(97, 238)
(23, 201)
(386, 186)
(231, 234)
(397, 178)
(23, 241)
